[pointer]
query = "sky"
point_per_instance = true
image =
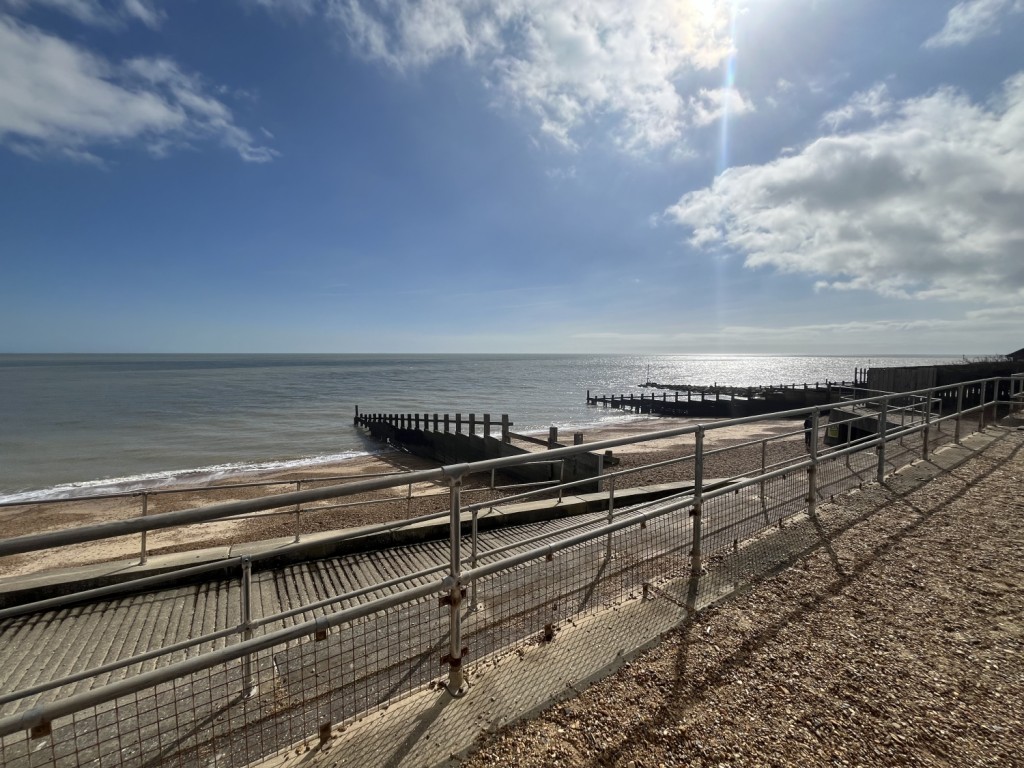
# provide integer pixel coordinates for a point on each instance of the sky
(653, 176)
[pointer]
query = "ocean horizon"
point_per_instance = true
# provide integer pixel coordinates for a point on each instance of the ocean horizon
(75, 424)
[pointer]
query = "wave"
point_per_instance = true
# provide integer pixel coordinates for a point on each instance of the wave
(179, 478)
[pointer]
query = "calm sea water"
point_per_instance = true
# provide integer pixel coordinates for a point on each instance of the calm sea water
(76, 423)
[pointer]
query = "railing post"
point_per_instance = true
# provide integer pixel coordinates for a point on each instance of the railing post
(473, 555)
(696, 562)
(143, 554)
(611, 514)
(561, 478)
(248, 684)
(298, 514)
(812, 471)
(849, 440)
(487, 425)
(883, 428)
(456, 679)
(472, 424)
(505, 436)
(959, 412)
(764, 468)
(926, 433)
(982, 391)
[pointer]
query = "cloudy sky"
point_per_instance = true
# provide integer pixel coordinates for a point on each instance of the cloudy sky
(779, 176)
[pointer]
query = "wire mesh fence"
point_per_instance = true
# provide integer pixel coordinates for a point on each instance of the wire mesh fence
(235, 712)
(232, 712)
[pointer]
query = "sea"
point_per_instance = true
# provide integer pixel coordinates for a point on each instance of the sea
(73, 425)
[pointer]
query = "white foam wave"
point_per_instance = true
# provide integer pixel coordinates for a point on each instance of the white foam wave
(147, 481)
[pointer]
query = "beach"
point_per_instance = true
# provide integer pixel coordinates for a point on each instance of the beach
(400, 502)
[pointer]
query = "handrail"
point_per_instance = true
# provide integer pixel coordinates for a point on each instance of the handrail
(157, 491)
(47, 712)
(35, 542)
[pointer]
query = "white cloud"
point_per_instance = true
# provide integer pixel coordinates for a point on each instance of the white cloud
(710, 106)
(972, 19)
(293, 7)
(59, 98)
(925, 203)
(991, 331)
(97, 12)
(143, 11)
(873, 103)
(567, 62)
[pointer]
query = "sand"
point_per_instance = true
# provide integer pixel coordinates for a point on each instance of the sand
(397, 503)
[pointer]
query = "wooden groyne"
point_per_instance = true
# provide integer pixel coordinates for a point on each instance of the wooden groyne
(724, 401)
(456, 439)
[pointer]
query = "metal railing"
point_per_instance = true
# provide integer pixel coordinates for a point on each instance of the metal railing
(260, 693)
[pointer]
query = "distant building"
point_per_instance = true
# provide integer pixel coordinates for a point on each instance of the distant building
(1018, 355)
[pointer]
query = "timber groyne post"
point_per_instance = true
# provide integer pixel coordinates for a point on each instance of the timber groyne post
(431, 436)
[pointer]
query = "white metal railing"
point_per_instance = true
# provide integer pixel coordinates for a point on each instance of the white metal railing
(685, 544)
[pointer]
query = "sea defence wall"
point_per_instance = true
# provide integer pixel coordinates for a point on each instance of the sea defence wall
(915, 377)
(440, 438)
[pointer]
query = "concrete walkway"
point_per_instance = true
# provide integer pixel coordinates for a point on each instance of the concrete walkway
(431, 728)
(591, 595)
(16, 590)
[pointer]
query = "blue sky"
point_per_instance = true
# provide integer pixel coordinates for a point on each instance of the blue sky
(777, 176)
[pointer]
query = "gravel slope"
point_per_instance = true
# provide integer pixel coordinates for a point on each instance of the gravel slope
(900, 642)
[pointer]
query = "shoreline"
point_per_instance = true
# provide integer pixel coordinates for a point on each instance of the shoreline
(237, 472)
(400, 502)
